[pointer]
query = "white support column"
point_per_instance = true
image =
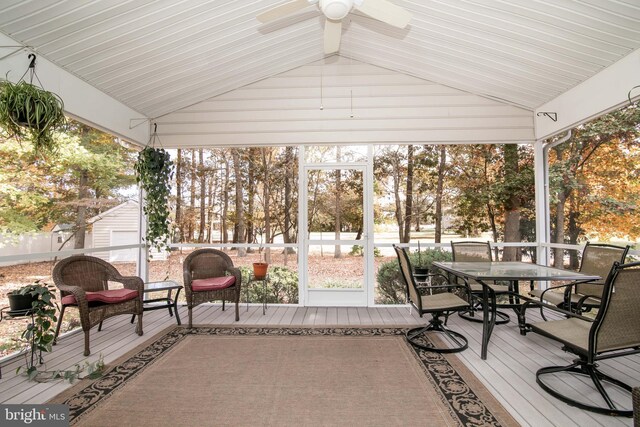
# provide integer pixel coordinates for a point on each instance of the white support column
(143, 252)
(369, 222)
(541, 168)
(302, 236)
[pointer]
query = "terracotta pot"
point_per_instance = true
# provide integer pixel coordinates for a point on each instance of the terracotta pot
(260, 270)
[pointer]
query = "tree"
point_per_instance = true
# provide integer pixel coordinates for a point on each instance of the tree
(81, 179)
(239, 198)
(585, 175)
(442, 164)
(179, 179)
(203, 192)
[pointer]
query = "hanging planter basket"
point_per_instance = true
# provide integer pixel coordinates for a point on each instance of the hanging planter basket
(154, 172)
(29, 112)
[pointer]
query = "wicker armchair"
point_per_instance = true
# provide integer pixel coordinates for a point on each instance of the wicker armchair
(435, 300)
(209, 275)
(636, 406)
(597, 260)
(478, 252)
(615, 332)
(83, 282)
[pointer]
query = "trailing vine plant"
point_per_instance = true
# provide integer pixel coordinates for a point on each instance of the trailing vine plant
(154, 172)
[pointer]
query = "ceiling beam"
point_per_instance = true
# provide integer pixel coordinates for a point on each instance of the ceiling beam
(81, 100)
(603, 92)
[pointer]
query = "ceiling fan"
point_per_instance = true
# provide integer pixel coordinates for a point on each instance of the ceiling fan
(335, 10)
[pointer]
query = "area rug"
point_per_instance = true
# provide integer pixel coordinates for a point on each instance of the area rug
(283, 377)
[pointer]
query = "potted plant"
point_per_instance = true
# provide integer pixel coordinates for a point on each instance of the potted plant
(30, 112)
(260, 268)
(21, 300)
(154, 171)
(421, 268)
(39, 334)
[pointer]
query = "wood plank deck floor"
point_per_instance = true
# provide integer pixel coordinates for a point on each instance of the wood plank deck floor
(509, 371)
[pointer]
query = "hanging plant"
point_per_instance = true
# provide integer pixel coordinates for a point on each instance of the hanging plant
(154, 171)
(30, 112)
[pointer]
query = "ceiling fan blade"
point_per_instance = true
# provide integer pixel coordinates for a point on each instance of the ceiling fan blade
(332, 35)
(385, 11)
(283, 10)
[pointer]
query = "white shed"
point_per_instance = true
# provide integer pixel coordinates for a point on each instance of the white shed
(115, 227)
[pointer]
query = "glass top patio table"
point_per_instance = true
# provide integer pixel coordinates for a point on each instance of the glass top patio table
(513, 271)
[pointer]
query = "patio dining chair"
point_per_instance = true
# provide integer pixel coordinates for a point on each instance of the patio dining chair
(615, 332)
(83, 282)
(437, 300)
(478, 252)
(209, 275)
(597, 260)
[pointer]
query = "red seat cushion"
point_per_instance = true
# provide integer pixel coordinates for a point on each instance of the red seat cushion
(212, 283)
(111, 296)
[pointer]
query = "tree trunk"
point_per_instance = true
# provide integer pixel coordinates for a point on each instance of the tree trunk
(439, 193)
(338, 208)
(338, 213)
(558, 253)
(81, 219)
(511, 205)
(179, 223)
(396, 195)
(192, 198)
(408, 207)
(203, 189)
(288, 188)
(210, 196)
(239, 197)
(574, 231)
(251, 197)
(225, 203)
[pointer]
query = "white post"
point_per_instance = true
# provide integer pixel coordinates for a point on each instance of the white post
(542, 201)
(369, 225)
(143, 251)
(302, 227)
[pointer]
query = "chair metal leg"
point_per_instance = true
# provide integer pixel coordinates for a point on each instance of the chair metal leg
(413, 336)
(190, 317)
(470, 315)
(581, 367)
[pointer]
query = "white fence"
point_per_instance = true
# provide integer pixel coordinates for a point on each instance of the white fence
(34, 243)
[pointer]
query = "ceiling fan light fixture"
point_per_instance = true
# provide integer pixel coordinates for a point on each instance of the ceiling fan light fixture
(336, 9)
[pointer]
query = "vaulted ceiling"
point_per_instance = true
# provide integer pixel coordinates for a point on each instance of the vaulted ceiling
(158, 56)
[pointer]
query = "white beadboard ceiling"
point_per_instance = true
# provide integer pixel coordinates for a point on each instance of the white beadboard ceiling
(159, 56)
